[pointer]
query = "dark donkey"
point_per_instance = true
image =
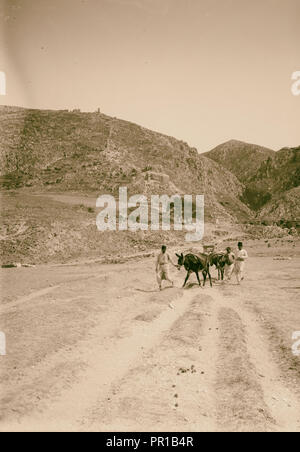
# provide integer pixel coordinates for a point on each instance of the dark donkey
(194, 264)
(219, 260)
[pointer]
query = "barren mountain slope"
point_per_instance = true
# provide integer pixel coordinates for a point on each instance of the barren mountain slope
(91, 152)
(285, 206)
(267, 176)
(242, 159)
(280, 172)
(273, 184)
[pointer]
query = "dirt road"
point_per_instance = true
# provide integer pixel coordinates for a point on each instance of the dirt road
(98, 348)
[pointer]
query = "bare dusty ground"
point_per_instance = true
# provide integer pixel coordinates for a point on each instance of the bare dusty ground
(98, 348)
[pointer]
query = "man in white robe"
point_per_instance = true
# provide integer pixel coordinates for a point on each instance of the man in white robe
(163, 267)
(240, 262)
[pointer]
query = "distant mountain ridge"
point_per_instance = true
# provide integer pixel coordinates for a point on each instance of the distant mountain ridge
(269, 177)
(241, 159)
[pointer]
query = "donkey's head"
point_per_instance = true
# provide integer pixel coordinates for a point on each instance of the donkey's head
(180, 260)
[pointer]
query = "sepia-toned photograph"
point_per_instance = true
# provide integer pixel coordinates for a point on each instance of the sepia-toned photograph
(150, 218)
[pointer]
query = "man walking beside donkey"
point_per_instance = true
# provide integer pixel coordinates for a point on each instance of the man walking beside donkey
(240, 262)
(230, 261)
(162, 267)
(236, 263)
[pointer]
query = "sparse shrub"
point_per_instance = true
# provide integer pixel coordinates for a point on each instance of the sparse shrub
(147, 168)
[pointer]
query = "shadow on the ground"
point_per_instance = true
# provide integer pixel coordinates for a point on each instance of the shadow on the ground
(146, 291)
(155, 290)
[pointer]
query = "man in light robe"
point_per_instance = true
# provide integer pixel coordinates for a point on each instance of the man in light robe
(163, 267)
(240, 262)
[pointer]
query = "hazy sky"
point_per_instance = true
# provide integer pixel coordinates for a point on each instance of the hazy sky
(204, 71)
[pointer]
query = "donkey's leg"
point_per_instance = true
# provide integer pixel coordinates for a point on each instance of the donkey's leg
(204, 273)
(198, 277)
(187, 278)
(209, 275)
(222, 273)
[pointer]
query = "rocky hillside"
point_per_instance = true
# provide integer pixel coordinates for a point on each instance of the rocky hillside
(241, 159)
(54, 164)
(269, 177)
(283, 207)
(66, 151)
(94, 153)
(279, 173)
